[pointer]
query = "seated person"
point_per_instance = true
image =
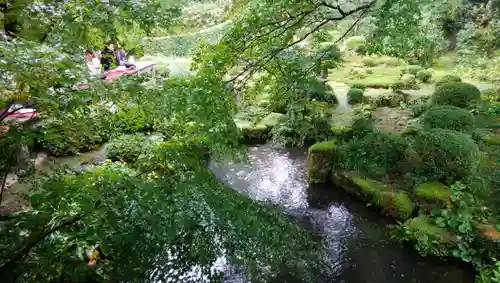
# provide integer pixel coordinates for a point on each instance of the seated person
(92, 63)
(108, 59)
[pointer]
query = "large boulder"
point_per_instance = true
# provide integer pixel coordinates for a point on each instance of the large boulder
(390, 201)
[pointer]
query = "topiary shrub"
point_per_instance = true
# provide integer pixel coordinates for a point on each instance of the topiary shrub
(412, 69)
(358, 86)
(449, 117)
(455, 93)
(128, 148)
(447, 79)
(355, 96)
(445, 155)
(353, 42)
(424, 76)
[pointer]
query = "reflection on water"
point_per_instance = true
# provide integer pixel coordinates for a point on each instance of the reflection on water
(355, 238)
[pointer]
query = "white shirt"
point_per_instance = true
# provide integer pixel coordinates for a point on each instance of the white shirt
(94, 66)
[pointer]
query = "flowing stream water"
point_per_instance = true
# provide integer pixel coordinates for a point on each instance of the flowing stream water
(355, 237)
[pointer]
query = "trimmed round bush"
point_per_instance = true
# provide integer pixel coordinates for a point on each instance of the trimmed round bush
(355, 96)
(354, 41)
(445, 155)
(447, 79)
(424, 76)
(358, 86)
(449, 117)
(413, 69)
(455, 93)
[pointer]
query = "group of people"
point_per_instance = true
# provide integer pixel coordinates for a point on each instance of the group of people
(108, 58)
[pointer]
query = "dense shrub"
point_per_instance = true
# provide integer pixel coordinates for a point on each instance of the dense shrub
(412, 69)
(491, 94)
(409, 81)
(455, 93)
(128, 148)
(445, 155)
(424, 76)
(130, 119)
(375, 153)
(398, 86)
(69, 133)
(449, 117)
(321, 91)
(355, 96)
(447, 79)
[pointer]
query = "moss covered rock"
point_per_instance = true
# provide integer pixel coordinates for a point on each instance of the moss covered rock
(319, 162)
(390, 201)
(449, 117)
(455, 93)
(433, 194)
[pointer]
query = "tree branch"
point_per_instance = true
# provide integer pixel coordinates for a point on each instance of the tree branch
(24, 251)
(264, 60)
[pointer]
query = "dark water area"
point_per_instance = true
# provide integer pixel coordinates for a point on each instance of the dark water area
(355, 238)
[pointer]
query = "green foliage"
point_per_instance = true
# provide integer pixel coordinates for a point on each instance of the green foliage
(354, 96)
(427, 237)
(424, 76)
(128, 148)
(374, 153)
(131, 118)
(445, 155)
(401, 31)
(449, 117)
(77, 131)
(455, 93)
(413, 69)
(305, 124)
(447, 79)
(89, 209)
